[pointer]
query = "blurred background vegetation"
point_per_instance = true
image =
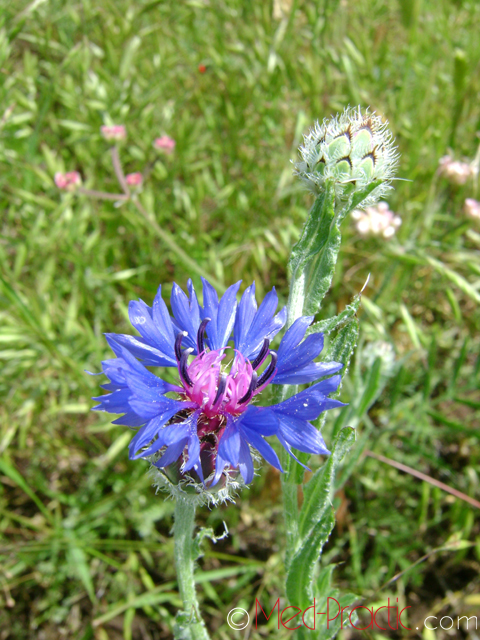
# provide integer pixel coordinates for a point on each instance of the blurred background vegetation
(85, 550)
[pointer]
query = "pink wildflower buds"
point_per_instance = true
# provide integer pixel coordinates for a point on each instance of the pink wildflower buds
(472, 208)
(68, 181)
(377, 221)
(455, 171)
(134, 179)
(114, 133)
(165, 144)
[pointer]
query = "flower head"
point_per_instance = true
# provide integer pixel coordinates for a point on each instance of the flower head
(165, 144)
(472, 208)
(114, 133)
(134, 179)
(353, 149)
(202, 433)
(377, 221)
(68, 181)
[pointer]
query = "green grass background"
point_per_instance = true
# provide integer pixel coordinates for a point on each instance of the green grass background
(85, 550)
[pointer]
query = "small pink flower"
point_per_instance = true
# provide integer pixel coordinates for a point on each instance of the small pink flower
(134, 179)
(472, 208)
(377, 221)
(165, 144)
(68, 181)
(115, 133)
(455, 171)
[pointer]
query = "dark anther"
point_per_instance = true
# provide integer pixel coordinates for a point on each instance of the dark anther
(262, 355)
(269, 371)
(251, 389)
(178, 344)
(201, 335)
(183, 367)
(222, 385)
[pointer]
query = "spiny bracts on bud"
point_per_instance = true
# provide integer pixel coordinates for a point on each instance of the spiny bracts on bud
(353, 149)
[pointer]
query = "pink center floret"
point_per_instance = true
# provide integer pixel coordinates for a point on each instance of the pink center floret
(216, 391)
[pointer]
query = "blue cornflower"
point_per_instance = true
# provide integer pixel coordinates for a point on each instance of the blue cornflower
(207, 428)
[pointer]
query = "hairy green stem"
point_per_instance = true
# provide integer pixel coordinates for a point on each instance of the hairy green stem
(190, 619)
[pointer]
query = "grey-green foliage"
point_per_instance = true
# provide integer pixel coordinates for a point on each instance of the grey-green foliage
(316, 521)
(314, 257)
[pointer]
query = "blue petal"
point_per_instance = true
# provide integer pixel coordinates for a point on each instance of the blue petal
(308, 373)
(293, 354)
(149, 355)
(329, 385)
(145, 388)
(130, 419)
(128, 365)
(186, 313)
(147, 433)
(229, 445)
(262, 446)
(251, 328)
(193, 445)
(302, 435)
(172, 453)
(310, 403)
(116, 402)
(245, 313)
(152, 327)
(259, 419)
(220, 464)
(293, 337)
(221, 314)
(210, 302)
(163, 323)
(245, 462)
(149, 410)
(288, 448)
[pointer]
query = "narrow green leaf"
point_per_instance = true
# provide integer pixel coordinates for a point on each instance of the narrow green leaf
(330, 324)
(320, 272)
(299, 579)
(316, 230)
(318, 490)
(343, 346)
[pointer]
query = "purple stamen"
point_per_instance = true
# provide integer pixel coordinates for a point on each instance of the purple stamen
(251, 389)
(178, 344)
(222, 385)
(183, 367)
(267, 374)
(201, 335)
(262, 355)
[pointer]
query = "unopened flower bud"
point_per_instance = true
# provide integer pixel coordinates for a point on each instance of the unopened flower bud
(377, 221)
(354, 149)
(114, 133)
(134, 179)
(69, 181)
(165, 144)
(472, 208)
